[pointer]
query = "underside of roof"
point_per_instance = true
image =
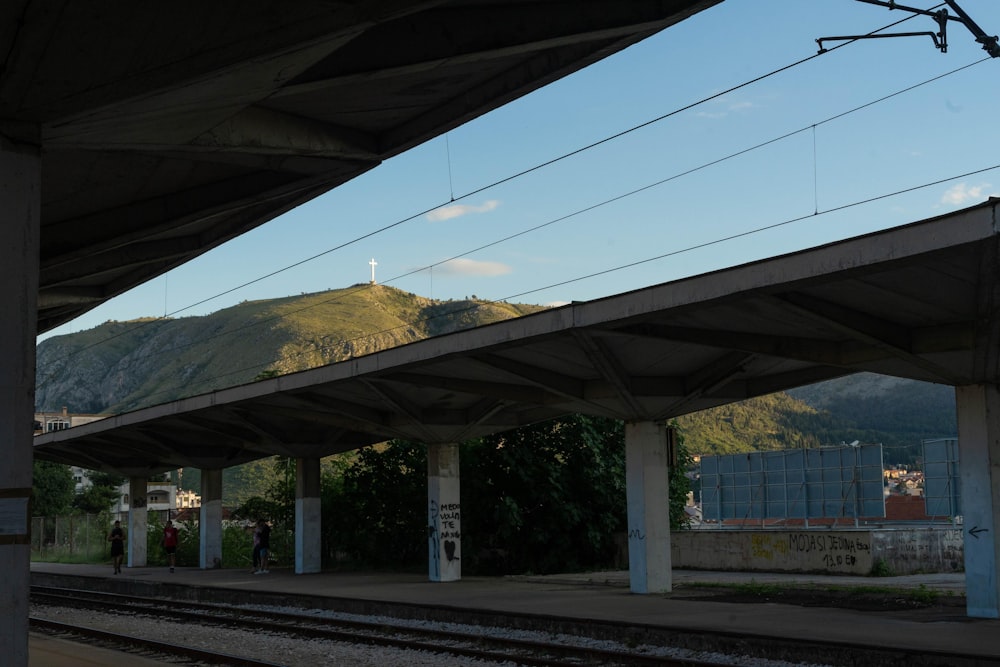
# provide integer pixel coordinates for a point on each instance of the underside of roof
(168, 129)
(919, 301)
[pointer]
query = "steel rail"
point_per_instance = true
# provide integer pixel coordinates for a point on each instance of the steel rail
(122, 640)
(380, 633)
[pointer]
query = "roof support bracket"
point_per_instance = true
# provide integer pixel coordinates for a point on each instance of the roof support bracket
(940, 37)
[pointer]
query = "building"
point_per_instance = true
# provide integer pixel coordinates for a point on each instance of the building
(46, 422)
(162, 498)
(187, 499)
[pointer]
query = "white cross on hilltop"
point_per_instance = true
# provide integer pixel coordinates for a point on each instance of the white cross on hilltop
(373, 264)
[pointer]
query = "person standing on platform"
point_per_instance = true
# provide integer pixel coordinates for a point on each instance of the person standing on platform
(256, 548)
(117, 539)
(264, 533)
(170, 543)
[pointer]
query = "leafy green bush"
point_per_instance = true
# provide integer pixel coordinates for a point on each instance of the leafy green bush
(880, 568)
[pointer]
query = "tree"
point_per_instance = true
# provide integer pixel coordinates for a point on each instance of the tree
(95, 499)
(104, 490)
(544, 498)
(52, 488)
(680, 483)
(242, 482)
(109, 479)
(383, 518)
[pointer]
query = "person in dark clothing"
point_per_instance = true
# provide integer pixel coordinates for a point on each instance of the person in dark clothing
(262, 539)
(117, 539)
(256, 548)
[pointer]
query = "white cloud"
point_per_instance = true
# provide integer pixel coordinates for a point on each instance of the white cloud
(723, 107)
(469, 267)
(458, 210)
(960, 194)
(556, 304)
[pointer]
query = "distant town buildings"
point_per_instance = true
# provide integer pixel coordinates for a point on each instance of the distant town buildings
(903, 482)
(162, 498)
(46, 422)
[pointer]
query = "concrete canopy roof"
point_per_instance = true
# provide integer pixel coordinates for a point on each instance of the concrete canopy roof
(168, 129)
(918, 301)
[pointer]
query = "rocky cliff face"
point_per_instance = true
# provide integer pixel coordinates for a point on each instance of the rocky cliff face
(122, 366)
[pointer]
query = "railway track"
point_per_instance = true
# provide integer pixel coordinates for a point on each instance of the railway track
(468, 645)
(146, 648)
(478, 644)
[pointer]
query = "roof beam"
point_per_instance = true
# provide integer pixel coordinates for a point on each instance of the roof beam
(136, 254)
(400, 405)
(555, 383)
(561, 385)
(706, 380)
(609, 368)
(349, 416)
(895, 340)
(498, 390)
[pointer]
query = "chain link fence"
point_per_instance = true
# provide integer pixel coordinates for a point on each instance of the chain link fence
(81, 538)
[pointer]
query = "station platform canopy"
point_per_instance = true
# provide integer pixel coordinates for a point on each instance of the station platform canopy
(918, 301)
(166, 129)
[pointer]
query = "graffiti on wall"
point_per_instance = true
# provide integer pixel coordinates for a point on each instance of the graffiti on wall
(445, 533)
(938, 550)
(805, 550)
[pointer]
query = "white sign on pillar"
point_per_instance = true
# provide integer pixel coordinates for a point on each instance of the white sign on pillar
(444, 513)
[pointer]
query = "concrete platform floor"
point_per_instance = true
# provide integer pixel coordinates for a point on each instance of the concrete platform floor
(605, 596)
(45, 651)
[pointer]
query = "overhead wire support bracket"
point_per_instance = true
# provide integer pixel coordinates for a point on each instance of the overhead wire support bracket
(940, 38)
(989, 43)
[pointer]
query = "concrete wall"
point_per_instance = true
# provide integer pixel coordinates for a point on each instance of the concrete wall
(904, 551)
(927, 550)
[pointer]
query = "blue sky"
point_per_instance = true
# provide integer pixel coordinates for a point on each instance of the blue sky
(677, 197)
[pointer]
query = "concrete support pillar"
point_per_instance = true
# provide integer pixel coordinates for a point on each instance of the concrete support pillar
(210, 519)
(444, 513)
(138, 489)
(20, 170)
(308, 517)
(979, 462)
(648, 508)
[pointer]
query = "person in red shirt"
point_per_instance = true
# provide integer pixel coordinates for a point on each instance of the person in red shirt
(170, 543)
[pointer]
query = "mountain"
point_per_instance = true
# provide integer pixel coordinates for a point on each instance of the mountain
(122, 366)
(869, 408)
(872, 408)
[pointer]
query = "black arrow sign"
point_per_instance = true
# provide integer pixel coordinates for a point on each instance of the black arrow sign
(975, 530)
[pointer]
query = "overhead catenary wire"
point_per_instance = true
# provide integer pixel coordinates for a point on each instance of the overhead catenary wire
(591, 207)
(506, 179)
(621, 267)
(561, 218)
(612, 269)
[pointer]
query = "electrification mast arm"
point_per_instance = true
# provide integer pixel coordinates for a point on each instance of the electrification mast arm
(940, 38)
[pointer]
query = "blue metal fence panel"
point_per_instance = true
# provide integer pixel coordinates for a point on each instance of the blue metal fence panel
(830, 482)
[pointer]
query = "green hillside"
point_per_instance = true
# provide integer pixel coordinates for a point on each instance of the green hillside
(758, 424)
(122, 366)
